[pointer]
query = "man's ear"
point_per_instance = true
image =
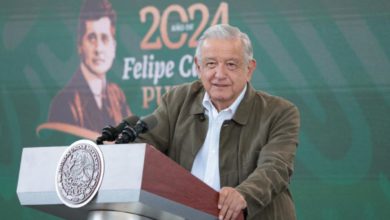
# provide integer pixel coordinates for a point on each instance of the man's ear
(251, 68)
(114, 42)
(197, 65)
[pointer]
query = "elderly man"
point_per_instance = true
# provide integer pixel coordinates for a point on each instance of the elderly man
(239, 141)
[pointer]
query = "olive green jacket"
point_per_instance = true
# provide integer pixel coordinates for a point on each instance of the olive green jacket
(257, 147)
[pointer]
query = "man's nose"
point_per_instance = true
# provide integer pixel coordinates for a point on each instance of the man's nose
(99, 45)
(220, 71)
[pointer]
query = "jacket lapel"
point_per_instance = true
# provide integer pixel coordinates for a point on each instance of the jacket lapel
(245, 108)
(200, 123)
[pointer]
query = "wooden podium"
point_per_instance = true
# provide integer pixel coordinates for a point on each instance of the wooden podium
(139, 182)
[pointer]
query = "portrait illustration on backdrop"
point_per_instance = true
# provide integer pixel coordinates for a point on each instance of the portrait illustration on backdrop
(89, 102)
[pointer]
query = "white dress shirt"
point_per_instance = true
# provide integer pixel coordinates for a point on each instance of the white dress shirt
(206, 163)
(96, 85)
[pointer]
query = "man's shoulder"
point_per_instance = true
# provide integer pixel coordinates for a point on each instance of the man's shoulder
(272, 101)
(189, 87)
(70, 91)
(114, 88)
(185, 90)
(65, 95)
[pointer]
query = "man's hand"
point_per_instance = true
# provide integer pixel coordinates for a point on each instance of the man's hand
(230, 203)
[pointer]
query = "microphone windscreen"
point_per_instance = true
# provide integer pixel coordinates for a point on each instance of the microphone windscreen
(131, 120)
(150, 121)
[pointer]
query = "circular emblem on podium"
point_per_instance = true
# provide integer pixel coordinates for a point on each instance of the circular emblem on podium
(79, 173)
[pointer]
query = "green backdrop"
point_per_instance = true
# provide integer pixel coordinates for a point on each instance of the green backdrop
(329, 57)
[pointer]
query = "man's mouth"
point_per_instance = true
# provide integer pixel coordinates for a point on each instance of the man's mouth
(98, 61)
(219, 85)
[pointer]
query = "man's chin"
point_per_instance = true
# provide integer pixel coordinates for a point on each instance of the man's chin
(99, 71)
(219, 92)
(219, 97)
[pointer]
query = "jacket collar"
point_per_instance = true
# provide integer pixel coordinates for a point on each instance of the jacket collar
(198, 89)
(243, 111)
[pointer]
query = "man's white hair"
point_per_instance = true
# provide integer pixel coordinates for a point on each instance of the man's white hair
(225, 31)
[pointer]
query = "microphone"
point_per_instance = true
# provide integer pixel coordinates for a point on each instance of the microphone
(110, 133)
(130, 133)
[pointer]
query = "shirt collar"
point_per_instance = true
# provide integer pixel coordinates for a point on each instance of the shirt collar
(208, 105)
(95, 83)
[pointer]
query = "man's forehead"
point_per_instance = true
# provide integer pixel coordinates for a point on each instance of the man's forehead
(222, 51)
(103, 23)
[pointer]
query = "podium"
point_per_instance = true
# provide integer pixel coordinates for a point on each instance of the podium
(139, 182)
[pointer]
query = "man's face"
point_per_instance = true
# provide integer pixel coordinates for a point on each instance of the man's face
(97, 47)
(223, 70)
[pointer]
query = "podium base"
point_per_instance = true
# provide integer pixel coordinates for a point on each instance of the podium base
(111, 215)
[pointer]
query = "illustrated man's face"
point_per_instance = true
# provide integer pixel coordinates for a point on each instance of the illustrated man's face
(97, 46)
(223, 70)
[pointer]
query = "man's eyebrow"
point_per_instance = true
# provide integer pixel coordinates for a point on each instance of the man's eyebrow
(208, 58)
(233, 59)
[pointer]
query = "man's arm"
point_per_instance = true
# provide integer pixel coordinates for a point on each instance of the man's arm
(273, 171)
(159, 136)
